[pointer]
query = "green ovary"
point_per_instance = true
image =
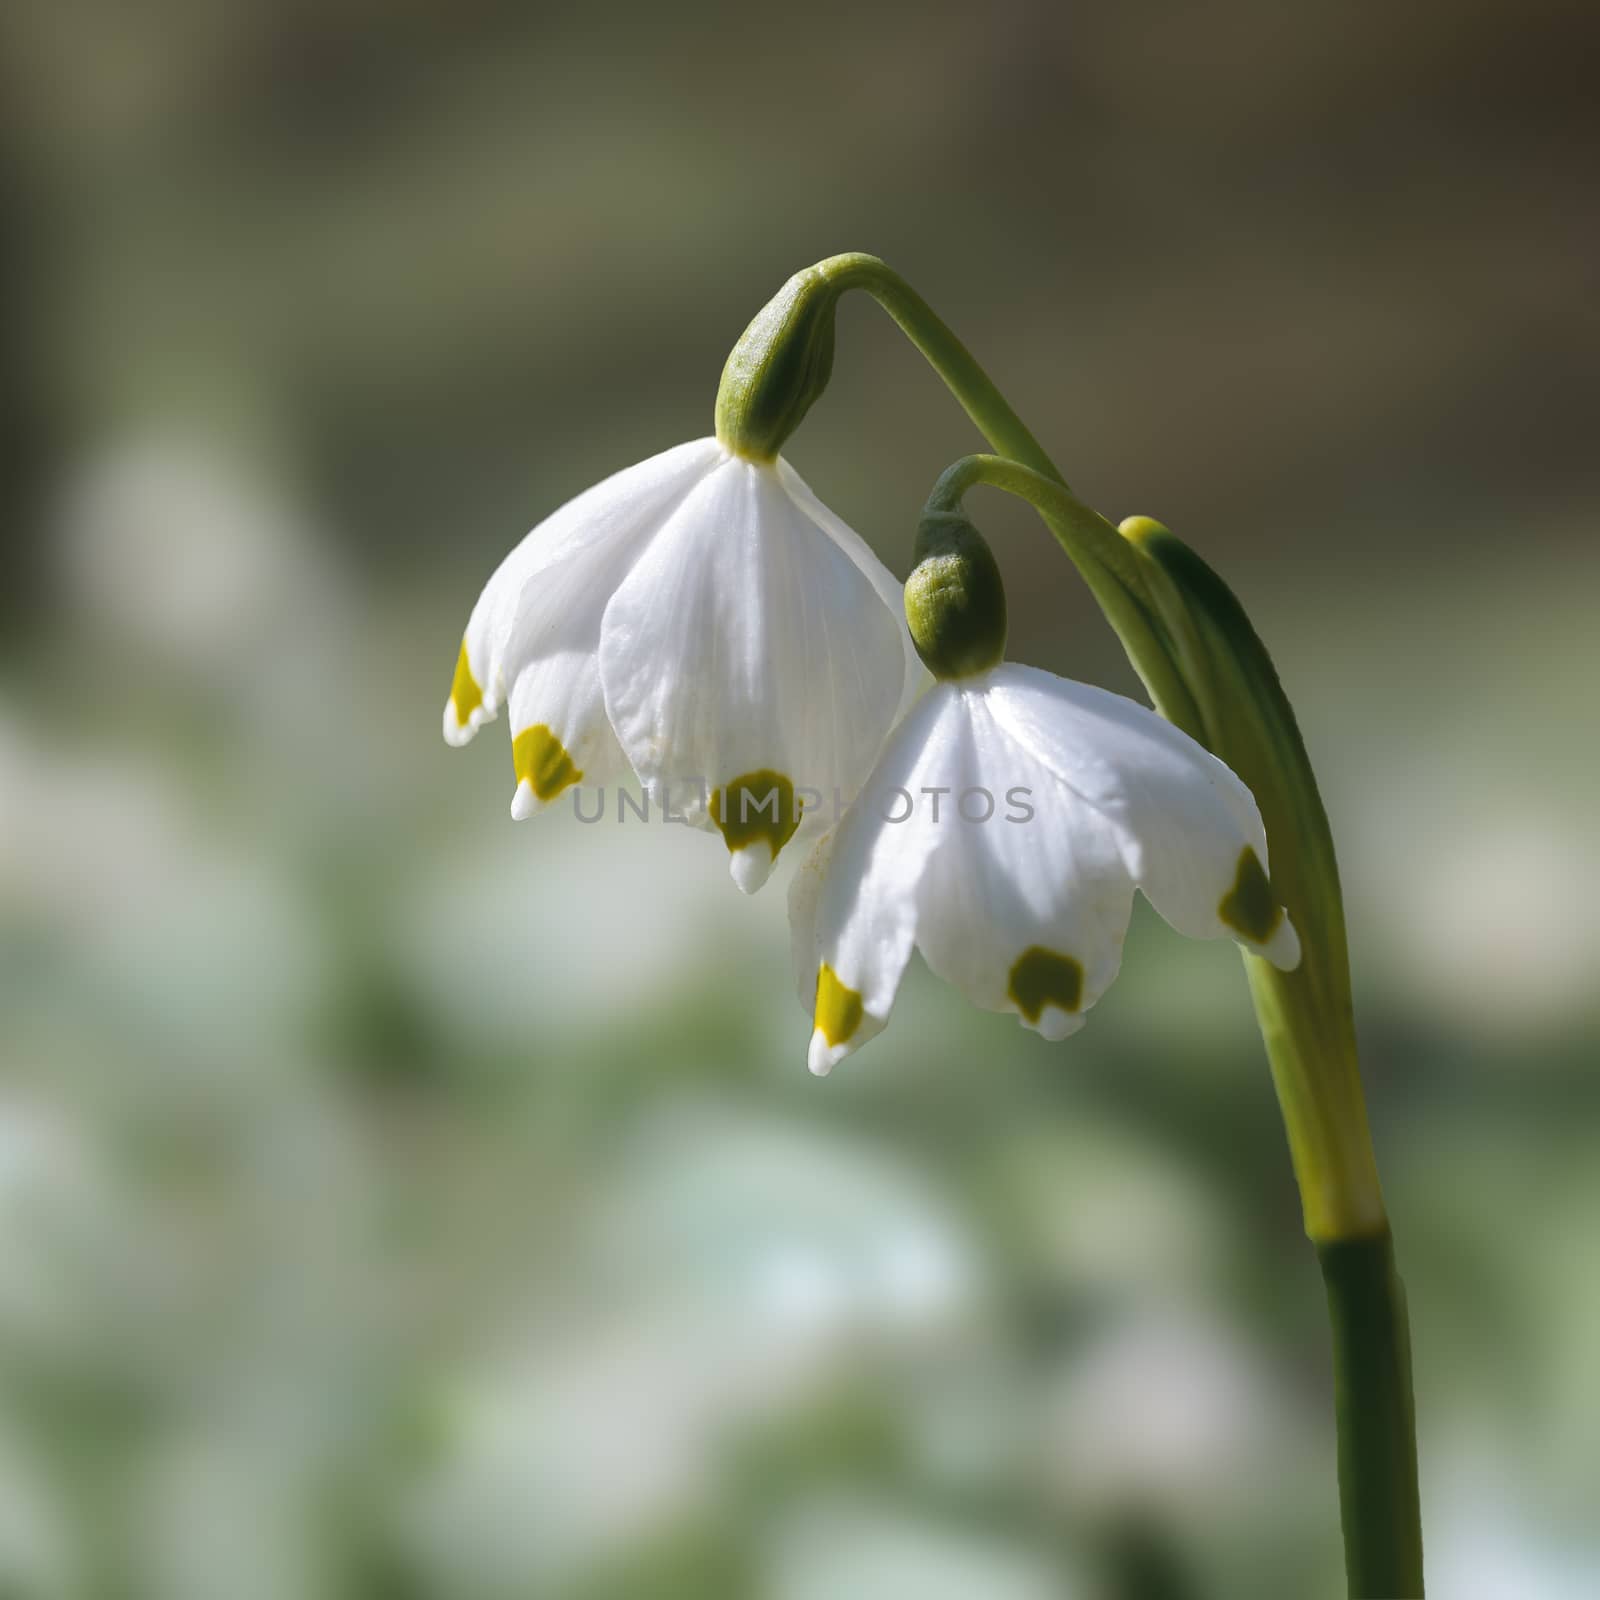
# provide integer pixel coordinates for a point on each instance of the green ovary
(1249, 907)
(1043, 977)
(542, 762)
(758, 808)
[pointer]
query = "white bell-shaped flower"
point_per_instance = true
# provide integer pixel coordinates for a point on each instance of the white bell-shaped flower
(1003, 832)
(702, 620)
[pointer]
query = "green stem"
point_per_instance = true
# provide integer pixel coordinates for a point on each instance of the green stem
(1023, 468)
(1108, 564)
(1377, 1432)
(945, 353)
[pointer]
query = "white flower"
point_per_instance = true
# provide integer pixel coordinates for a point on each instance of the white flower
(1003, 832)
(704, 621)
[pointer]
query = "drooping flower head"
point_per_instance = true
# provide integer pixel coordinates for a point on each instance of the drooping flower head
(700, 620)
(1005, 828)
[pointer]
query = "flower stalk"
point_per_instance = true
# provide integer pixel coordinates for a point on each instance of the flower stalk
(1208, 673)
(783, 360)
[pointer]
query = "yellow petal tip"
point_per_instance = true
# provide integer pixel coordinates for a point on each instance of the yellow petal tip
(466, 695)
(542, 762)
(839, 1009)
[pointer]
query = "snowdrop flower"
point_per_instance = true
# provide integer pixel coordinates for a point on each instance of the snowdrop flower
(700, 619)
(1006, 825)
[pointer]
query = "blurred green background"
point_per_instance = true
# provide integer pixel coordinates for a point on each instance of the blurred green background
(398, 1202)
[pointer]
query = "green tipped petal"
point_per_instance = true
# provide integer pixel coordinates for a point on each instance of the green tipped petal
(1043, 977)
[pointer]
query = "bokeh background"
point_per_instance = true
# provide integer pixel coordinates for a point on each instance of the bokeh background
(398, 1202)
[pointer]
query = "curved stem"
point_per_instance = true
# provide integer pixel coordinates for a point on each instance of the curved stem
(945, 353)
(1109, 566)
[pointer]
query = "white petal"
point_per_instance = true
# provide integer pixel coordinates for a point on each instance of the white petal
(1025, 901)
(560, 735)
(560, 732)
(746, 641)
(852, 906)
(890, 588)
(1184, 820)
(617, 509)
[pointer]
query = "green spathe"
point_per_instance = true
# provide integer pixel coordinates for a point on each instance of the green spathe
(1306, 1015)
(955, 600)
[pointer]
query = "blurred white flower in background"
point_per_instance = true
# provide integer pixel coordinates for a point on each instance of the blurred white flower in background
(1165, 1409)
(198, 585)
(714, 1301)
(180, 922)
(1107, 1213)
(209, 1317)
(575, 1444)
(178, 545)
(504, 938)
(841, 1549)
(804, 1234)
(72, 1260)
(1465, 812)
(221, 1516)
(40, 1555)
(1489, 927)
(1488, 1539)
